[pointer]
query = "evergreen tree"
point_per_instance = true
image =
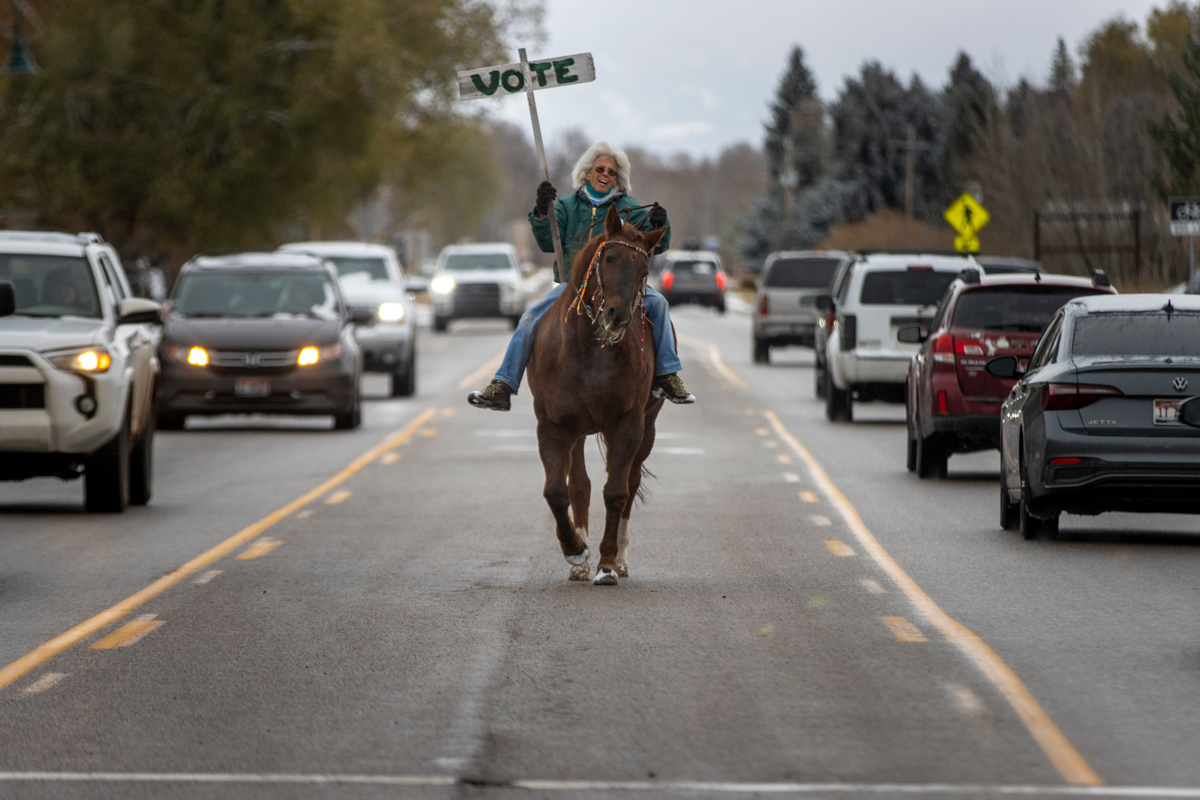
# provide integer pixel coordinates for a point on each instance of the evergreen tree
(1019, 107)
(1179, 139)
(797, 126)
(969, 104)
(1062, 71)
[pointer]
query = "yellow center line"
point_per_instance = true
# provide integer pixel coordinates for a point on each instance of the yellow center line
(129, 633)
(486, 371)
(714, 355)
(50, 649)
(903, 630)
(258, 549)
(840, 549)
(1062, 754)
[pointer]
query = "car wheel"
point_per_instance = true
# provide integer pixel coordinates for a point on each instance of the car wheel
(931, 456)
(141, 465)
(404, 382)
(910, 456)
(351, 419)
(721, 306)
(839, 405)
(820, 376)
(1033, 527)
(515, 321)
(106, 475)
(170, 422)
(762, 351)
(1010, 512)
(440, 324)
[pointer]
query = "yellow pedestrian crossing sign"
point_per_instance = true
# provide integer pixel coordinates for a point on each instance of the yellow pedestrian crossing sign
(967, 217)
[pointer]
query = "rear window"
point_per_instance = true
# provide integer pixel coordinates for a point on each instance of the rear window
(373, 268)
(477, 261)
(1019, 309)
(904, 287)
(1138, 334)
(802, 273)
(692, 267)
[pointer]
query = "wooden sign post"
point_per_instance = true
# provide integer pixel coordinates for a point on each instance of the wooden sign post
(529, 77)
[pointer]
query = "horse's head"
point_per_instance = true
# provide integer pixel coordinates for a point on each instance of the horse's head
(622, 264)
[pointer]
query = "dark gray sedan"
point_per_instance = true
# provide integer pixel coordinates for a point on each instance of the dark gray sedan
(1092, 426)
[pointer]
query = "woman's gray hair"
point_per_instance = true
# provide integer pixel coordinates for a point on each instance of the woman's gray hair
(588, 160)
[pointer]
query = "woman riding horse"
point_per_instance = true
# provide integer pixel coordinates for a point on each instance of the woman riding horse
(601, 178)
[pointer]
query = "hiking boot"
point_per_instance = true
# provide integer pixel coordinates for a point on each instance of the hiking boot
(670, 387)
(494, 396)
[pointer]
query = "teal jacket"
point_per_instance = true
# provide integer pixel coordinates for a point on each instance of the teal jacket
(579, 221)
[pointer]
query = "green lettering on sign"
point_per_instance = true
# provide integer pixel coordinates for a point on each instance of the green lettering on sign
(540, 69)
(507, 77)
(492, 86)
(560, 71)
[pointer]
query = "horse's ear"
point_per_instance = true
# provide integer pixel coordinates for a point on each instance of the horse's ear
(652, 238)
(612, 222)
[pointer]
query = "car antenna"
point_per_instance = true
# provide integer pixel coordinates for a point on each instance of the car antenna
(1037, 277)
(1169, 309)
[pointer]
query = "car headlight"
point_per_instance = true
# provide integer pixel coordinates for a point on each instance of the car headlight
(193, 356)
(90, 359)
(315, 355)
(514, 286)
(442, 284)
(391, 312)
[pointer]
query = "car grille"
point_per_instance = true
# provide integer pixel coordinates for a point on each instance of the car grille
(477, 298)
(22, 395)
(249, 359)
(372, 310)
(15, 361)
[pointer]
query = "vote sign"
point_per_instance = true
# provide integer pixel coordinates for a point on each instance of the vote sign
(509, 79)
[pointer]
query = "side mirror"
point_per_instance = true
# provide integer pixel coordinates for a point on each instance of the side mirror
(8, 299)
(1006, 367)
(911, 334)
(825, 303)
(361, 316)
(139, 311)
(1189, 412)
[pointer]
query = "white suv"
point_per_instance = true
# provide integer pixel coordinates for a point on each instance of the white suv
(477, 280)
(881, 293)
(77, 368)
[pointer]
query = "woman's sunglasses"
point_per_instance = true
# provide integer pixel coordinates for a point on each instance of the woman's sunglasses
(605, 171)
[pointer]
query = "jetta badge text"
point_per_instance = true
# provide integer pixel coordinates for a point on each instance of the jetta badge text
(1180, 384)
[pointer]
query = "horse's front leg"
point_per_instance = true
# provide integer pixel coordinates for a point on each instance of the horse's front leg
(580, 489)
(555, 446)
(623, 445)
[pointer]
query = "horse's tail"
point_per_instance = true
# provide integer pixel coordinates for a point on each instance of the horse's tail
(643, 491)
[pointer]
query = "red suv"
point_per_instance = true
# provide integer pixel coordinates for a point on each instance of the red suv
(952, 403)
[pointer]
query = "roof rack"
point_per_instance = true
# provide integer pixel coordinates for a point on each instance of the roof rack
(1100, 278)
(883, 252)
(969, 275)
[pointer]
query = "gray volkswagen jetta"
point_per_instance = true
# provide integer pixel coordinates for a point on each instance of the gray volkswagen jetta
(1093, 424)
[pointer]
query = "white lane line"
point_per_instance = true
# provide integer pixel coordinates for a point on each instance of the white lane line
(873, 586)
(821, 521)
(680, 451)
(305, 514)
(660, 787)
(770, 443)
(839, 548)
(791, 477)
(963, 698)
(714, 355)
(45, 682)
(208, 576)
(809, 497)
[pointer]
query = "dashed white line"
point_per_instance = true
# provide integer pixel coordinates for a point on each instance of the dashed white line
(208, 576)
(791, 477)
(964, 699)
(45, 682)
(873, 586)
(821, 521)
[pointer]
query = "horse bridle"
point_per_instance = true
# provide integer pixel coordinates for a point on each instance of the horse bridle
(606, 337)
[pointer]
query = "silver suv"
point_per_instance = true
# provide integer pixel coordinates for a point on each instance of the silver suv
(879, 293)
(372, 284)
(477, 280)
(77, 368)
(785, 303)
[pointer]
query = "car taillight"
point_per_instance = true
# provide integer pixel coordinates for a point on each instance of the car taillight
(1067, 396)
(943, 349)
(720, 281)
(668, 278)
(764, 305)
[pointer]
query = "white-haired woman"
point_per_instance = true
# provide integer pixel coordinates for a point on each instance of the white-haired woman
(601, 178)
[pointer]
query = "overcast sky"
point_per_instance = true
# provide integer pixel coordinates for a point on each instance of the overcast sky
(697, 75)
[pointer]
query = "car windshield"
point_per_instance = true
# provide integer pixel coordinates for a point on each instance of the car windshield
(51, 286)
(1153, 334)
(801, 273)
(910, 287)
(694, 267)
(255, 294)
(464, 262)
(1022, 309)
(372, 268)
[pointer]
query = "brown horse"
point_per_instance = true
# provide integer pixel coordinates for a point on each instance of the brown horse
(590, 373)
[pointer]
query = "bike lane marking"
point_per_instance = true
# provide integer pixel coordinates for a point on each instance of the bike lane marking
(1070, 764)
(43, 653)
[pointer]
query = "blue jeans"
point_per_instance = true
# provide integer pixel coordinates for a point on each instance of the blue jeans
(512, 369)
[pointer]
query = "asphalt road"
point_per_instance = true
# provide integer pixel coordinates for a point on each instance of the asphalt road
(385, 613)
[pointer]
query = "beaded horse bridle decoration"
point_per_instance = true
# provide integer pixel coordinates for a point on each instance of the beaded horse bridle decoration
(606, 337)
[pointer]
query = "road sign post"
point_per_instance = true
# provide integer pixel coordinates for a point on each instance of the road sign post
(967, 217)
(527, 77)
(1185, 221)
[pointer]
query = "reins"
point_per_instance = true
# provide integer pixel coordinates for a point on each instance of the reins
(605, 338)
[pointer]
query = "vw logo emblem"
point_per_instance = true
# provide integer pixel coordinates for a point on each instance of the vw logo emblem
(1180, 384)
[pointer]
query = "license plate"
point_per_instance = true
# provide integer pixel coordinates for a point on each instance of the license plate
(252, 387)
(1166, 412)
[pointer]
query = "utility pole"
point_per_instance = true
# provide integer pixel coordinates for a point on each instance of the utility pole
(911, 147)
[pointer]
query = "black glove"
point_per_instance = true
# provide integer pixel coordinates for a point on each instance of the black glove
(545, 196)
(658, 216)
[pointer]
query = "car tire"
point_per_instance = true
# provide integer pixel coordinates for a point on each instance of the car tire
(762, 351)
(141, 466)
(931, 456)
(106, 476)
(349, 420)
(839, 405)
(910, 456)
(515, 321)
(440, 324)
(170, 422)
(721, 306)
(820, 375)
(404, 382)
(1033, 527)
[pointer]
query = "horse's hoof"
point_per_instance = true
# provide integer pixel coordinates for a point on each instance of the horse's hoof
(605, 577)
(581, 573)
(622, 571)
(579, 559)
